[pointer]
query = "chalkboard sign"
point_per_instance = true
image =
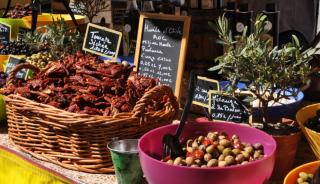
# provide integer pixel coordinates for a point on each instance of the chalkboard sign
(5, 33)
(161, 48)
(226, 108)
(102, 41)
(202, 88)
(77, 8)
(12, 63)
(21, 32)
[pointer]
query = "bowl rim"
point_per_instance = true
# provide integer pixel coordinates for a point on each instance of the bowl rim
(298, 168)
(272, 153)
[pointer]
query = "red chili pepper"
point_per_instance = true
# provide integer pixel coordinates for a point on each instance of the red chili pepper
(198, 154)
(237, 145)
(206, 142)
(189, 154)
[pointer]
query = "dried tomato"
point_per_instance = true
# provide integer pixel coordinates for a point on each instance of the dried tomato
(198, 154)
(206, 142)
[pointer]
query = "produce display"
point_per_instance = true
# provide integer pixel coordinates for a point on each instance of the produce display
(16, 48)
(217, 150)
(57, 38)
(304, 178)
(314, 123)
(40, 59)
(19, 11)
(83, 84)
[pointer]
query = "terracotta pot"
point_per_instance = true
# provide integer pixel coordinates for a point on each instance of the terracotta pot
(285, 154)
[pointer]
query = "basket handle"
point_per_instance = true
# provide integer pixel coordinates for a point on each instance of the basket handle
(19, 67)
(155, 93)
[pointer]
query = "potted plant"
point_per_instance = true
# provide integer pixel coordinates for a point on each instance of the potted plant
(272, 75)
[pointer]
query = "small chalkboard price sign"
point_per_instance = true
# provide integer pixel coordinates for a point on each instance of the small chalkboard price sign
(5, 33)
(77, 7)
(161, 48)
(12, 63)
(203, 86)
(102, 41)
(21, 32)
(226, 108)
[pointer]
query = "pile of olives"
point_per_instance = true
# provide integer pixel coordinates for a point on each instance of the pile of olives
(40, 59)
(217, 150)
(314, 123)
(16, 48)
(304, 178)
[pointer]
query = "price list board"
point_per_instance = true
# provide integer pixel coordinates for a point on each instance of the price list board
(161, 48)
(5, 33)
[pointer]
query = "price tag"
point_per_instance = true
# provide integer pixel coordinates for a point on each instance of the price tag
(5, 33)
(12, 63)
(227, 108)
(102, 41)
(203, 86)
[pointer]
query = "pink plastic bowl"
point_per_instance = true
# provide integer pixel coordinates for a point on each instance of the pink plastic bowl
(157, 172)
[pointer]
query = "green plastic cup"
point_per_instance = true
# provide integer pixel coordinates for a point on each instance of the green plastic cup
(126, 162)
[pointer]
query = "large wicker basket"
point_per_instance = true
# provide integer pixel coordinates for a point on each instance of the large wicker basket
(79, 141)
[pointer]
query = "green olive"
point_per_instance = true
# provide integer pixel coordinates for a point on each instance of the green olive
(222, 164)
(221, 157)
(177, 161)
(226, 151)
(229, 159)
(256, 155)
(239, 158)
(210, 149)
(202, 147)
(207, 157)
(212, 163)
(300, 180)
(200, 139)
(249, 150)
(170, 161)
(195, 145)
(236, 151)
(220, 148)
(212, 136)
(303, 175)
(244, 162)
(245, 155)
(189, 160)
(224, 142)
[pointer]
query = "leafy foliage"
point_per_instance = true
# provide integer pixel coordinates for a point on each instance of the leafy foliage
(269, 71)
(91, 8)
(56, 37)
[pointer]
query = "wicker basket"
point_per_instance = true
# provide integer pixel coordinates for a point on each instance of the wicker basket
(79, 141)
